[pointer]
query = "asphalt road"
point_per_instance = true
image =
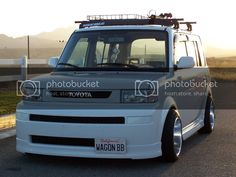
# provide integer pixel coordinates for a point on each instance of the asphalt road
(203, 156)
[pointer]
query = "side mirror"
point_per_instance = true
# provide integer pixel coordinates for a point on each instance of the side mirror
(186, 62)
(52, 62)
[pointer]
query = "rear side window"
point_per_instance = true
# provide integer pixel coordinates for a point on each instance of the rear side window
(197, 54)
(201, 53)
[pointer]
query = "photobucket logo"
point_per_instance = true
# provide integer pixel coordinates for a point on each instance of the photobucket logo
(146, 88)
(28, 88)
(72, 84)
(190, 84)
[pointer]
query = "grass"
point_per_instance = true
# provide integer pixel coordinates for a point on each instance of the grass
(8, 98)
(223, 68)
(8, 101)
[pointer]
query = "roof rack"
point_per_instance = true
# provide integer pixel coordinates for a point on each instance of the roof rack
(164, 19)
(115, 17)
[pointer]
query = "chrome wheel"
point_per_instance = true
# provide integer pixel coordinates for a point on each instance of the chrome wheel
(212, 116)
(209, 117)
(177, 136)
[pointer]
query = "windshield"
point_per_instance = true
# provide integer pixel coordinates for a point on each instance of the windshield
(121, 49)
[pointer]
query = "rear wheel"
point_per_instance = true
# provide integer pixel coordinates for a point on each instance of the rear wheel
(172, 137)
(209, 118)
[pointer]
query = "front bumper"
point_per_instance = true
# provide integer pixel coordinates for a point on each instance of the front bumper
(142, 130)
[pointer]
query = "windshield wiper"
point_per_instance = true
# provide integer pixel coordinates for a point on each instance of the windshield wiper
(117, 64)
(68, 64)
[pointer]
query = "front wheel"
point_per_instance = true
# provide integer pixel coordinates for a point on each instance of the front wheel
(172, 137)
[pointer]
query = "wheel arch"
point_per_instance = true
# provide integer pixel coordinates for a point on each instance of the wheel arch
(168, 105)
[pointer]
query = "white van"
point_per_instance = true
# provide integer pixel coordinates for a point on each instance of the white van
(127, 87)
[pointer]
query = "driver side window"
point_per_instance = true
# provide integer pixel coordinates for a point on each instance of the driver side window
(180, 51)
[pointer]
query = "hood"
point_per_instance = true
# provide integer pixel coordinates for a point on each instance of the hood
(95, 80)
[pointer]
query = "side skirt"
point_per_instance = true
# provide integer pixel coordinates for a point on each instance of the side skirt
(193, 127)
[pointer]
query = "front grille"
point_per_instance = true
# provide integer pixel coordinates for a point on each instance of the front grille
(63, 141)
(81, 120)
(81, 94)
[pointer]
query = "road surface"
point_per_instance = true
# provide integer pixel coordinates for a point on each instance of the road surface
(203, 156)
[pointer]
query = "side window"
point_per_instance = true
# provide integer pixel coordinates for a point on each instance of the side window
(180, 51)
(197, 54)
(191, 51)
(201, 54)
(79, 52)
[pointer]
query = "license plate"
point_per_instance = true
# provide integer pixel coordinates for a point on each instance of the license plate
(110, 145)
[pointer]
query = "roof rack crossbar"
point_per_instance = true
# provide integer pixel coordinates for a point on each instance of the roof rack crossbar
(189, 25)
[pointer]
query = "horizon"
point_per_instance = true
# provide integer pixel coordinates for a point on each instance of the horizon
(211, 51)
(39, 16)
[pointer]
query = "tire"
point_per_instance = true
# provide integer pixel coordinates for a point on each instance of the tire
(209, 117)
(172, 137)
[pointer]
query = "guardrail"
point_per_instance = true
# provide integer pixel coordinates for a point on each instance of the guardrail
(23, 63)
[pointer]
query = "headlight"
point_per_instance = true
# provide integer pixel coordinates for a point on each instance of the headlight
(31, 94)
(129, 96)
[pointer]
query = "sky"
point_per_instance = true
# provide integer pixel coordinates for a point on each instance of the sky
(215, 19)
